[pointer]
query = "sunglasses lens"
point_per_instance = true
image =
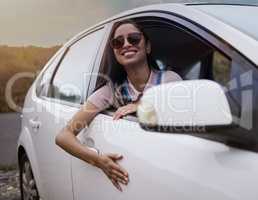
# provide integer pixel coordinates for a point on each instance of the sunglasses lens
(134, 38)
(118, 42)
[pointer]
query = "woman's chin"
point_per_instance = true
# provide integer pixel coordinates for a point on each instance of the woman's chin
(129, 62)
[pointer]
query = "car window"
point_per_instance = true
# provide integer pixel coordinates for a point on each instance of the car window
(194, 71)
(179, 51)
(236, 76)
(72, 76)
(242, 91)
(201, 55)
(239, 79)
(221, 68)
(44, 80)
(191, 57)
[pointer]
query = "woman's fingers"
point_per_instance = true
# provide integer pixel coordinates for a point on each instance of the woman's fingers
(120, 113)
(116, 184)
(119, 168)
(117, 115)
(117, 174)
(125, 110)
(113, 170)
(112, 176)
(116, 170)
(119, 178)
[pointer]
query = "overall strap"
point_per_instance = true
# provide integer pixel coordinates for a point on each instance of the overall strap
(159, 77)
(125, 93)
(126, 98)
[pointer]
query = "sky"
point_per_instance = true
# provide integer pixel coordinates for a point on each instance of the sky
(52, 22)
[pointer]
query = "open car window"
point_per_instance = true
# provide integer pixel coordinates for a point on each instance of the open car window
(179, 50)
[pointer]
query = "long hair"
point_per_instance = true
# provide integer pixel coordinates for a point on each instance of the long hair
(118, 74)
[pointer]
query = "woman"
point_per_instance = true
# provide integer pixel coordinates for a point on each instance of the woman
(131, 48)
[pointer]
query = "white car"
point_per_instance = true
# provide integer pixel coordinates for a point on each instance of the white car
(193, 139)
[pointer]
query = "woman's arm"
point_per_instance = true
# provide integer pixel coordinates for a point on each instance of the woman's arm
(68, 141)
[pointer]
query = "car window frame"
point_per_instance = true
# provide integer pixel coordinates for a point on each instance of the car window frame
(196, 30)
(38, 80)
(65, 51)
(171, 18)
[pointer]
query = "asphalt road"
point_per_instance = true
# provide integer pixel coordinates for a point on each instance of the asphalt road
(10, 124)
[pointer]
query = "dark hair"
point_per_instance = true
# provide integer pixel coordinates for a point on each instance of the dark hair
(118, 74)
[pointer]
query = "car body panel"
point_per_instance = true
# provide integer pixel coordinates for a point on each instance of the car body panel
(230, 14)
(165, 166)
(25, 142)
(54, 162)
(160, 165)
(49, 163)
(202, 181)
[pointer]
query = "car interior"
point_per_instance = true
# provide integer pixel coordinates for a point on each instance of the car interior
(179, 50)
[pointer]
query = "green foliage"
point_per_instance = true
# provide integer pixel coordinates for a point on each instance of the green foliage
(14, 60)
(221, 68)
(6, 168)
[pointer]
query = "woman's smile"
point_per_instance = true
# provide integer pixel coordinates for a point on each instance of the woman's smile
(129, 53)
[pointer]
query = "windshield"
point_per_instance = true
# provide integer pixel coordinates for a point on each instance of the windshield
(243, 18)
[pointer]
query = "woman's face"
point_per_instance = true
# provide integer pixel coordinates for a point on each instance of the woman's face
(129, 54)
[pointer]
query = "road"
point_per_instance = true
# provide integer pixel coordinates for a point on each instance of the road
(10, 124)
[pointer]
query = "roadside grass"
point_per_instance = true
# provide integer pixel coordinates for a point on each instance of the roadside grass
(14, 60)
(6, 168)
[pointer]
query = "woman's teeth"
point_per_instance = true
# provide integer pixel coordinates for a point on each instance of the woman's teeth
(128, 53)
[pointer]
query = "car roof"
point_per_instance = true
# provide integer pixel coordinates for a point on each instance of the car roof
(242, 42)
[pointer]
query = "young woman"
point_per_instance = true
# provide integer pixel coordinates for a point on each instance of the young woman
(131, 49)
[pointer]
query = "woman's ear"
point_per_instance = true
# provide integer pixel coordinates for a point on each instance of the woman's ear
(148, 47)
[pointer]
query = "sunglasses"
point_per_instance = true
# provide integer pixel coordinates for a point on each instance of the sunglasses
(132, 38)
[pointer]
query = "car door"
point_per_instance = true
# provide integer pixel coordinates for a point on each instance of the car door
(173, 165)
(58, 98)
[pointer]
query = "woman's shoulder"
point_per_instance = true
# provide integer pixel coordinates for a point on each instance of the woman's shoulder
(168, 76)
(102, 97)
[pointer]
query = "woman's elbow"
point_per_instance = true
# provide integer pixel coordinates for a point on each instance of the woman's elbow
(60, 138)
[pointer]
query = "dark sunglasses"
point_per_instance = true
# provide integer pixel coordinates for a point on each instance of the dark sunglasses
(132, 38)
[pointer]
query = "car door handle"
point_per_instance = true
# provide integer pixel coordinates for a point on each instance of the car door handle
(35, 124)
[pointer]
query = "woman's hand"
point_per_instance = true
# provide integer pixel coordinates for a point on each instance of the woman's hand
(108, 164)
(125, 110)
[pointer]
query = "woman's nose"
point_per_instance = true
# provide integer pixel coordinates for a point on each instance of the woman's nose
(126, 43)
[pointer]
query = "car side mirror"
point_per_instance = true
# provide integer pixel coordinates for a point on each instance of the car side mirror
(184, 106)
